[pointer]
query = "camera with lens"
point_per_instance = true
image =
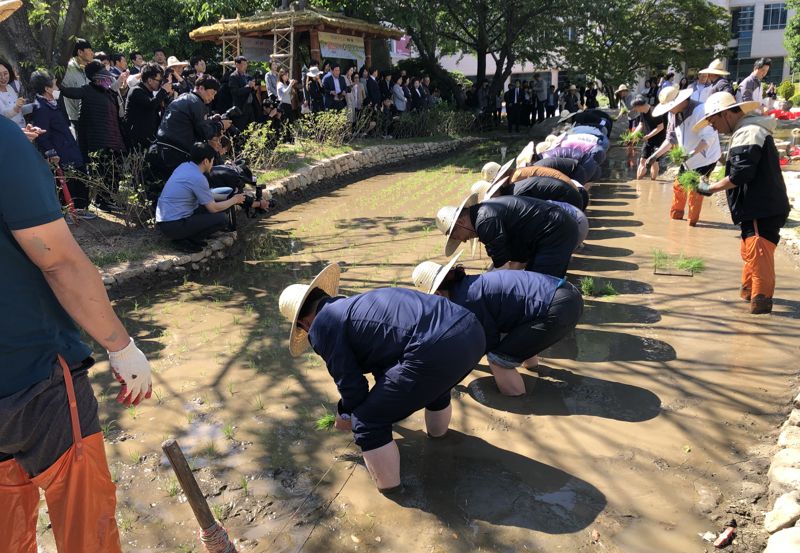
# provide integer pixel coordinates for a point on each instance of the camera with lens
(229, 115)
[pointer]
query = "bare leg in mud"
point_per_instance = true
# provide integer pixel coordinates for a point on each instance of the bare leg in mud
(437, 422)
(383, 464)
(508, 381)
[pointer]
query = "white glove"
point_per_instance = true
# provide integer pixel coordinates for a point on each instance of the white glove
(131, 369)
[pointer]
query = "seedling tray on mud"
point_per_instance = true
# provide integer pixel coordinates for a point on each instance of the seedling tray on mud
(676, 265)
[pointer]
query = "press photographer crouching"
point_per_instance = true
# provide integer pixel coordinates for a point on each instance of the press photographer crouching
(187, 212)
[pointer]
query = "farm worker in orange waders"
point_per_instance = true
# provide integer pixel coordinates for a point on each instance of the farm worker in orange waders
(756, 192)
(702, 147)
(49, 429)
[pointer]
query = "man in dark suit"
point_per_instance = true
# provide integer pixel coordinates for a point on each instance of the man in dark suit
(373, 97)
(242, 87)
(513, 98)
(335, 88)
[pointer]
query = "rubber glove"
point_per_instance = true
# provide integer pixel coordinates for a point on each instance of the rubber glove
(703, 188)
(131, 369)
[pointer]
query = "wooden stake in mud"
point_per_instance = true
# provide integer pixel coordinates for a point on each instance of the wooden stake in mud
(213, 535)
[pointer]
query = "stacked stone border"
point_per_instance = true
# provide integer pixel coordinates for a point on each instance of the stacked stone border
(161, 269)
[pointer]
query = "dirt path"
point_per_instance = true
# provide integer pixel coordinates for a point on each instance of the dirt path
(654, 426)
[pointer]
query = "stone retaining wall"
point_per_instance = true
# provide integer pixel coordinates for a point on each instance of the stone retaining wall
(167, 268)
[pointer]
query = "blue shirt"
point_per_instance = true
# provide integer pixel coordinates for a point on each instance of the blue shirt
(185, 191)
(504, 300)
(374, 331)
(33, 325)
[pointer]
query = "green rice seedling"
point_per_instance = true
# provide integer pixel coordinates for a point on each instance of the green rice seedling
(245, 483)
(219, 512)
(210, 450)
(229, 430)
(134, 457)
(258, 402)
(608, 290)
(694, 265)
(231, 389)
(132, 412)
(587, 286)
(325, 422)
(630, 138)
(689, 180)
(660, 259)
(107, 428)
(677, 155)
(173, 488)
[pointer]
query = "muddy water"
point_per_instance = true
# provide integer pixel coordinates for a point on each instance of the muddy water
(665, 395)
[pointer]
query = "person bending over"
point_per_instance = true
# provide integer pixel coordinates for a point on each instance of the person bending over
(416, 346)
(186, 210)
(522, 313)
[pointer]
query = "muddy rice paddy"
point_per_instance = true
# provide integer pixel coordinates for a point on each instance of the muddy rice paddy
(654, 426)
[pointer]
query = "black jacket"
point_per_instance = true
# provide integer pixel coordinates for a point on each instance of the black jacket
(513, 227)
(58, 136)
(315, 96)
(753, 166)
(186, 122)
(373, 96)
(417, 99)
(508, 97)
(143, 115)
(548, 188)
(331, 102)
(386, 89)
(242, 98)
(98, 122)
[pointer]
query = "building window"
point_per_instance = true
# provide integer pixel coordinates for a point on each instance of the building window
(774, 17)
(742, 20)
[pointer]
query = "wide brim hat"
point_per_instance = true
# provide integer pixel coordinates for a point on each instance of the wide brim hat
(429, 275)
(505, 171)
(719, 102)
(489, 170)
(8, 7)
(621, 88)
(670, 97)
(526, 155)
(495, 188)
(716, 67)
(446, 221)
(480, 187)
(564, 118)
(172, 61)
(313, 72)
(294, 296)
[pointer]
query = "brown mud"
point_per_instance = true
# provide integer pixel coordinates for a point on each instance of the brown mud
(654, 426)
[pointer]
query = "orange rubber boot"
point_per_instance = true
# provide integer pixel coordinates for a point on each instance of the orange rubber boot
(81, 499)
(747, 274)
(761, 252)
(695, 206)
(678, 201)
(20, 500)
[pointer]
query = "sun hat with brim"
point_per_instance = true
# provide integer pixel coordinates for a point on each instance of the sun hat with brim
(505, 171)
(621, 88)
(670, 97)
(429, 275)
(480, 187)
(446, 221)
(489, 170)
(495, 188)
(526, 155)
(716, 67)
(8, 7)
(719, 102)
(293, 297)
(172, 61)
(313, 72)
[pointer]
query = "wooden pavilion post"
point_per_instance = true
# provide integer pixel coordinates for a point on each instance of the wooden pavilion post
(368, 52)
(313, 45)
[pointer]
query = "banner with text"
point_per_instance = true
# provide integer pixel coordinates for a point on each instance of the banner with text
(342, 46)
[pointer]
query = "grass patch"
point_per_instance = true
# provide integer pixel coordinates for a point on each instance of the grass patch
(663, 261)
(106, 259)
(694, 265)
(589, 287)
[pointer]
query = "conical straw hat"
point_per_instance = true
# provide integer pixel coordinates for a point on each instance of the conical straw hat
(490, 170)
(293, 297)
(670, 97)
(429, 275)
(719, 102)
(446, 220)
(716, 67)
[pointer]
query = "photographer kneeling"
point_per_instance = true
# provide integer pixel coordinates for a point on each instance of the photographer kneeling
(187, 212)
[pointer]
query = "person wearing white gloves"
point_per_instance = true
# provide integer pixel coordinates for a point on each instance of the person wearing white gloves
(50, 435)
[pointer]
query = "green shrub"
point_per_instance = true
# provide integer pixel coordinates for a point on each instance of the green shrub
(795, 100)
(259, 148)
(786, 90)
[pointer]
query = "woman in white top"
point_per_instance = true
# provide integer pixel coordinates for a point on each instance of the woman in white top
(285, 95)
(355, 98)
(12, 105)
(399, 96)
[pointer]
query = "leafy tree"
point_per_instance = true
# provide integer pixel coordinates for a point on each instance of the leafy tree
(791, 38)
(617, 40)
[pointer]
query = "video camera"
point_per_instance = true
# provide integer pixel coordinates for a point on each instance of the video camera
(229, 115)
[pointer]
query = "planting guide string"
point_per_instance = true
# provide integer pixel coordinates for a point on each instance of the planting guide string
(310, 493)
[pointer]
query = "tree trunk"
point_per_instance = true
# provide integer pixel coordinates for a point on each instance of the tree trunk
(72, 25)
(19, 39)
(481, 74)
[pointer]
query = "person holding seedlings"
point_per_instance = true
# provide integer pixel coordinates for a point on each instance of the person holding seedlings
(654, 130)
(518, 232)
(702, 147)
(416, 346)
(522, 313)
(755, 189)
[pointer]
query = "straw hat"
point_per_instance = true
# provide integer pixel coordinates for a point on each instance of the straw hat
(670, 97)
(719, 102)
(621, 88)
(490, 170)
(172, 61)
(428, 275)
(495, 188)
(505, 171)
(716, 67)
(480, 188)
(542, 147)
(8, 7)
(313, 72)
(293, 297)
(446, 221)
(526, 155)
